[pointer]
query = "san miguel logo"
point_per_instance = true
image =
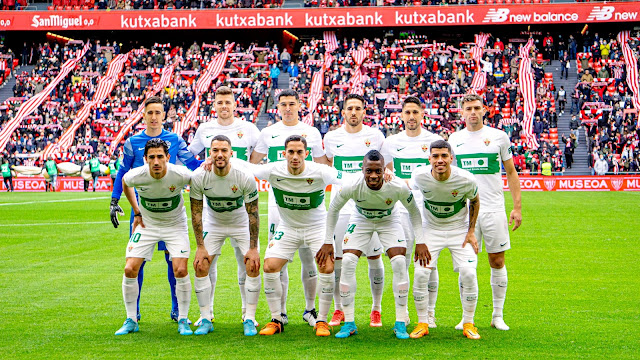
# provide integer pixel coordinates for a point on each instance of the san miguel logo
(487, 142)
(425, 147)
(234, 188)
(617, 183)
(550, 184)
(240, 134)
(367, 142)
(309, 181)
(172, 188)
(454, 193)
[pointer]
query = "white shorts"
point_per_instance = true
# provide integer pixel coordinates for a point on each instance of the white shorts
(215, 235)
(273, 217)
(374, 248)
(452, 240)
(143, 241)
(407, 229)
(359, 235)
(286, 240)
(493, 227)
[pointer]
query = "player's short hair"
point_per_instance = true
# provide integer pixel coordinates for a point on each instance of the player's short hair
(440, 144)
(289, 92)
(221, 138)
(295, 138)
(224, 90)
(471, 98)
(374, 155)
(411, 100)
(156, 143)
(354, 96)
(153, 100)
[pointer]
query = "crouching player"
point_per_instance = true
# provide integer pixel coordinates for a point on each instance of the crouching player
(375, 200)
(160, 216)
(446, 190)
(226, 189)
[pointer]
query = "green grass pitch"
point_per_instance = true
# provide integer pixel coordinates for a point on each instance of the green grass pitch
(573, 290)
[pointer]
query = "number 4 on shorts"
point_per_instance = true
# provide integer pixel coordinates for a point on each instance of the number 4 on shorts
(351, 228)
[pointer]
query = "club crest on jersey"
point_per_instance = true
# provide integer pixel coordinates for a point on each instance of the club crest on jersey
(234, 188)
(388, 202)
(425, 147)
(271, 244)
(487, 142)
(454, 193)
(345, 240)
(309, 181)
(130, 248)
(240, 134)
(303, 135)
(172, 188)
(367, 142)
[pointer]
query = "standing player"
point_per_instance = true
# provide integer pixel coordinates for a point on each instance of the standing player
(133, 150)
(271, 144)
(298, 187)
(403, 153)
(446, 191)
(52, 170)
(94, 167)
(159, 216)
(375, 200)
(226, 189)
(481, 149)
(244, 136)
(345, 149)
(6, 175)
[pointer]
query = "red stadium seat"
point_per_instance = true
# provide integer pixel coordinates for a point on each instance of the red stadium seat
(508, 2)
(545, 1)
(536, 1)
(498, 1)
(539, 57)
(517, 1)
(548, 76)
(480, 2)
(553, 130)
(490, 2)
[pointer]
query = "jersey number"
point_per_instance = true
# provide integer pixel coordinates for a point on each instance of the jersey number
(135, 238)
(278, 235)
(351, 228)
(204, 234)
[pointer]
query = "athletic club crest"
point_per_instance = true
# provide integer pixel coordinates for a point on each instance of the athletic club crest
(487, 142)
(617, 184)
(388, 202)
(234, 188)
(309, 181)
(240, 134)
(172, 188)
(425, 147)
(367, 142)
(549, 184)
(454, 193)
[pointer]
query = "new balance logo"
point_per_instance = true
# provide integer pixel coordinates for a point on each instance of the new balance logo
(496, 15)
(601, 13)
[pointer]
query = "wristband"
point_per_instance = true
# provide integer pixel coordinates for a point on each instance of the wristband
(138, 214)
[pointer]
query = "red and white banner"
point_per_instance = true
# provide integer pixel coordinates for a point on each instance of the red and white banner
(527, 88)
(577, 183)
(63, 184)
(315, 94)
(331, 42)
(105, 86)
(479, 81)
(32, 104)
(463, 15)
(632, 69)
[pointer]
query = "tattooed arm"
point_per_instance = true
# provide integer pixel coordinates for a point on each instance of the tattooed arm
(474, 208)
(196, 222)
(252, 257)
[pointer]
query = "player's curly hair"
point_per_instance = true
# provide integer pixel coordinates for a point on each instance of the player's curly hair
(471, 97)
(156, 143)
(354, 96)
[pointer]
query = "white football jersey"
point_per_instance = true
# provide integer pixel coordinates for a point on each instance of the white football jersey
(243, 135)
(445, 202)
(272, 138)
(300, 198)
(374, 205)
(482, 153)
(224, 196)
(407, 153)
(160, 200)
(347, 150)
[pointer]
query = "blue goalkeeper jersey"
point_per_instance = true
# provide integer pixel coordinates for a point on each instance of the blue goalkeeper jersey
(134, 155)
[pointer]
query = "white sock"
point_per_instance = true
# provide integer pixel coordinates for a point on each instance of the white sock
(309, 275)
(242, 275)
(434, 279)
(499, 283)
(252, 289)
(213, 277)
(348, 285)
(376, 280)
(420, 291)
(202, 287)
(273, 293)
(284, 280)
(468, 292)
(337, 270)
(130, 291)
(325, 295)
(400, 286)
(183, 293)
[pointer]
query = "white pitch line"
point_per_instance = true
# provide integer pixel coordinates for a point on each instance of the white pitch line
(52, 201)
(54, 224)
